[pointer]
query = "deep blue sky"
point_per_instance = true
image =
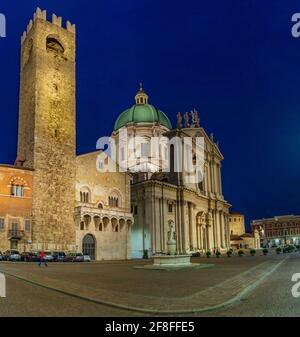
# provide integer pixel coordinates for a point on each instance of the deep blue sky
(233, 60)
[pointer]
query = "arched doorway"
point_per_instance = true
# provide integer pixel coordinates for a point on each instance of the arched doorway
(89, 246)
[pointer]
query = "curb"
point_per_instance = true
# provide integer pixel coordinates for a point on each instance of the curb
(229, 302)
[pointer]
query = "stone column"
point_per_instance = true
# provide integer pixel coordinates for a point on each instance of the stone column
(200, 237)
(219, 232)
(215, 229)
(152, 224)
(207, 178)
(212, 185)
(227, 233)
(158, 224)
(165, 224)
(220, 179)
(216, 177)
(185, 227)
(178, 225)
(205, 237)
(222, 230)
(208, 237)
(194, 228)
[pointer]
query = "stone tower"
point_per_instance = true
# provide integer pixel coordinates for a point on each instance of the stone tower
(47, 128)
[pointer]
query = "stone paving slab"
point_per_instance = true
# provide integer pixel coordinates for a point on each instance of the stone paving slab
(123, 277)
(210, 298)
(173, 268)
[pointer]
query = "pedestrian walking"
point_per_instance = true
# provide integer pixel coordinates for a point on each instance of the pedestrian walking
(42, 259)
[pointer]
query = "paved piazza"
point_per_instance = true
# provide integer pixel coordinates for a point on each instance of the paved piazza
(246, 286)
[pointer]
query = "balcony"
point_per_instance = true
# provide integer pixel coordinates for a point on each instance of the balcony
(92, 210)
(15, 234)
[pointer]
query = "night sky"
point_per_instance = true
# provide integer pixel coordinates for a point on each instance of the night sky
(236, 62)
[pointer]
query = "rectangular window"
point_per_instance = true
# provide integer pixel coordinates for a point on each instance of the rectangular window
(101, 165)
(122, 154)
(170, 207)
(27, 226)
(135, 210)
(14, 229)
(144, 150)
(2, 224)
(17, 191)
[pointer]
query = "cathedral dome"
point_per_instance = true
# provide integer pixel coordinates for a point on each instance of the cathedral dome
(142, 112)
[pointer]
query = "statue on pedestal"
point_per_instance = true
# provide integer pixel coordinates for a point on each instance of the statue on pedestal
(186, 120)
(179, 121)
(195, 119)
(171, 243)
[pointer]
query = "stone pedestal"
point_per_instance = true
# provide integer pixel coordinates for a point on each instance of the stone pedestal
(172, 260)
(171, 248)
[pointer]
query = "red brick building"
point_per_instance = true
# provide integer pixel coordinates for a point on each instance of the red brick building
(15, 207)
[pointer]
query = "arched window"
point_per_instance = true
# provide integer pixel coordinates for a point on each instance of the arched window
(53, 44)
(114, 223)
(114, 199)
(100, 205)
(17, 185)
(113, 202)
(85, 195)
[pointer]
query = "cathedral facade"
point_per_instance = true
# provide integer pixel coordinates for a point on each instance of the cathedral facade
(161, 197)
(54, 200)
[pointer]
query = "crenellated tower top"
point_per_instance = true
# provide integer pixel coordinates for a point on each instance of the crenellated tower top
(56, 20)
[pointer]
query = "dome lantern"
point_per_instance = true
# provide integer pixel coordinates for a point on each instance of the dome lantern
(142, 113)
(141, 98)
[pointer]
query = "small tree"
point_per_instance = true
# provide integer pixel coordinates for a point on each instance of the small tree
(278, 250)
(218, 254)
(229, 253)
(145, 255)
(265, 251)
(291, 248)
(252, 252)
(208, 254)
(241, 253)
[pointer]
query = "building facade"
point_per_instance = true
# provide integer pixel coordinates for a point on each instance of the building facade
(103, 216)
(15, 207)
(238, 236)
(236, 223)
(46, 139)
(277, 231)
(159, 198)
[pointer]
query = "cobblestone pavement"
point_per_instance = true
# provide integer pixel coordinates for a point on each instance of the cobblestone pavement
(273, 298)
(26, 300)
(121, 284)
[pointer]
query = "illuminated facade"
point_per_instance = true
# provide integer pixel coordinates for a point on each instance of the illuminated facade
(279, 230)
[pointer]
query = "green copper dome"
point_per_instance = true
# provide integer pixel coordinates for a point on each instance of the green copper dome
(142, 112)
